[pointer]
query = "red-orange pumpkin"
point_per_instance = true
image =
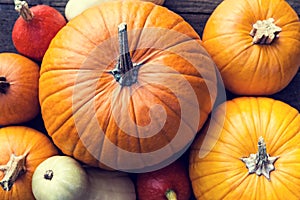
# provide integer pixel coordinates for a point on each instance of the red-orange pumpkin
(22, 149)
(102, 109)
(35, 28)
(18, 89)
(255, 44)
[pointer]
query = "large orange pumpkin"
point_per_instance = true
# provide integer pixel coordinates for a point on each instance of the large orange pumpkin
(249, 150)
(131, 111)
(19, 77)
(22, 150)
(255, 44)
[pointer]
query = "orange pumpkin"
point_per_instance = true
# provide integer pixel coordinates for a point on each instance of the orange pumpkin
(22, 150)
(255, 44)
(18, 89)
(249, 150)
(131, 111)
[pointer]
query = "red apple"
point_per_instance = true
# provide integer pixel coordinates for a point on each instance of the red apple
(171, 182)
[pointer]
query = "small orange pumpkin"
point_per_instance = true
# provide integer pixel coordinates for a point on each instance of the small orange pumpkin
(255, 44)
(19, 77)
(249, 150)
(22, 149)
(131, 111)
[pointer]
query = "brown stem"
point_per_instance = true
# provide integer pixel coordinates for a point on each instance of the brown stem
(125, 71)
(171, 195)
(48, 175)
(264, 31)
(12, 170)
(4, 85)
(260, 163)
(23, 9)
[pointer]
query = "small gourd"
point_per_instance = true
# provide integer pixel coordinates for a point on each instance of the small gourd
(107, 185)
(59, 178)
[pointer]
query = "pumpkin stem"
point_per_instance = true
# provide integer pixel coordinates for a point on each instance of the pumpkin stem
(125, 71)
(23, 9)
(12, 170)
(48, 175)
(260, 163)
(264, 31)
(4, 85)
(171, 195)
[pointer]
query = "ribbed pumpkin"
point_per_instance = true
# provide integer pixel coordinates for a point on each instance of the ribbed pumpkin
(255, 44)
(251, 152)
(128, 109)
(22, 149)
(19, 78)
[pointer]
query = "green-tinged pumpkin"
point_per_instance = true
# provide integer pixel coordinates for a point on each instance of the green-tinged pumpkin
(60, 178)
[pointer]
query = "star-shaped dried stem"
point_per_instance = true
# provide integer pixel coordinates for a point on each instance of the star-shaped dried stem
(264, 31)
(260, 163)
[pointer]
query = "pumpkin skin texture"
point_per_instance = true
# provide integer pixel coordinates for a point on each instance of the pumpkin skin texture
(31, 35)
(19, 78)
(76, 7)
(30, 145)
(248, 68)
(59, 178)
(217, 168)
(107, 185)
(96, 119)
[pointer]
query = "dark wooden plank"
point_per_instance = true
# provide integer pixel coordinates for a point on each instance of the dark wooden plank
(8, 16)
(207, 6)
(197, 21)
(192, 6)
(291, 94)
